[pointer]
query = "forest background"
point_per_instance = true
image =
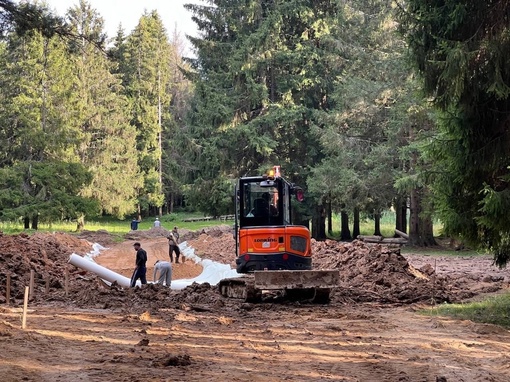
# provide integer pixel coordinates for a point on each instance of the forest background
(369, 105)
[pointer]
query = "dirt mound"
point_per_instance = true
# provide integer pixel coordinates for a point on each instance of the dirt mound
(44, 253)
(368, 272)
(217, 245)
(150, 297)
(375, 272)
(184, 234)
(102, 237)
(47, 254)
(147, 234)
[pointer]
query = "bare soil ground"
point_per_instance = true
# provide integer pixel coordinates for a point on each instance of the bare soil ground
(371, 330)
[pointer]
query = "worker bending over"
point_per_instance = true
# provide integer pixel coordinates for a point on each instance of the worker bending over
(165, 272)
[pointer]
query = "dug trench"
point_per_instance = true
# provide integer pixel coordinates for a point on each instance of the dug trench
(370, 331)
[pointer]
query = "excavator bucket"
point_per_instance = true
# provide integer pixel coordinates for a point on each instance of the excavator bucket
(292, 279)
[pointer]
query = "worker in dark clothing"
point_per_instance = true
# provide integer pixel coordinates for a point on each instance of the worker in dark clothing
(140, 265)
(173, 247)
(134, 224)
(175, 232)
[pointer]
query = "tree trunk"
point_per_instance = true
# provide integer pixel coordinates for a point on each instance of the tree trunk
(345, 232)
(35, 221)
(80, 224)
(401, 214)
(355, 224)
(414, 222)
(421, 232)
(428, 231)
(319, 224)
(26, 222)
(404, 216)
(330, 218)
(377, 224)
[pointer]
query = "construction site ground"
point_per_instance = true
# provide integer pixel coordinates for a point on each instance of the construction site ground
(372, 330)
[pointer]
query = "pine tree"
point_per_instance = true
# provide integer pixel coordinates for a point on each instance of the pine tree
(40, 161)
(176, 168)
(37, 83)
(461, 50)
(263, 81)
(108, 140)
(146, 61)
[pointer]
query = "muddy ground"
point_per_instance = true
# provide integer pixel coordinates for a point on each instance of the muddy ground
(370, 331)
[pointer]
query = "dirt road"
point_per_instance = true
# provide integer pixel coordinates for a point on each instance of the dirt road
(151, 334)
(261, 343)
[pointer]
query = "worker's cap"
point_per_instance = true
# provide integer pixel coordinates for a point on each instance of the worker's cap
(137, 244)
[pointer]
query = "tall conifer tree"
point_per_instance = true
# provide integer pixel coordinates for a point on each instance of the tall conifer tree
(263, 85)
(462, 51)
(108, 146)
(38, 123)
(146, 62)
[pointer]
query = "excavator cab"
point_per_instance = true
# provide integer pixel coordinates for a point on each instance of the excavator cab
(266, 239)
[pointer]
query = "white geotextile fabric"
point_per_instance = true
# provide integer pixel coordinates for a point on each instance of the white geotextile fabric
(212, 272)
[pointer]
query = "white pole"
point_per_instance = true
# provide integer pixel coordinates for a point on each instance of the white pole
(25, 306)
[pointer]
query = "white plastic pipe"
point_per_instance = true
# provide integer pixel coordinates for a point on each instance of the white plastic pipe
(99, 270)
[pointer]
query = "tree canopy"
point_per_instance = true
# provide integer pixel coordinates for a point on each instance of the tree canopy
(462, 50)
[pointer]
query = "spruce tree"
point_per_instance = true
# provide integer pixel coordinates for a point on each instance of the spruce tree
(462, 51)
(263, 84)
(40, 160)
(145, 65)
(108, 141)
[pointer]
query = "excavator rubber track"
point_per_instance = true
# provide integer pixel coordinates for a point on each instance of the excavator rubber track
(241, 288)
(308, 285)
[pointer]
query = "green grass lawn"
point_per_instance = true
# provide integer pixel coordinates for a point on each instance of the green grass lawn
(117, 226)
(492, 310)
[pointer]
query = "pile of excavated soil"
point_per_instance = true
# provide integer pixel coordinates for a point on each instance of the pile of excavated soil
(371, 272)
(368, 273)
(184, 234)
(44, 253)
(376, 272)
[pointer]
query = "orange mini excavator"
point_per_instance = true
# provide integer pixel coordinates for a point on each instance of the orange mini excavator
(273, 253)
